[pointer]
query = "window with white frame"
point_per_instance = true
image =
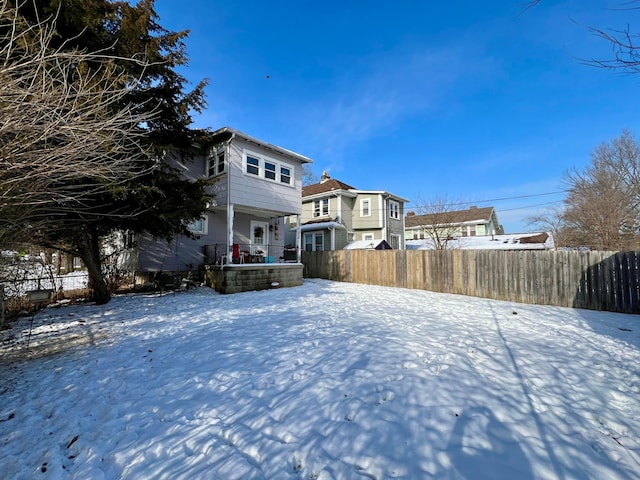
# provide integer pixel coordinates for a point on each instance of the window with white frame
(368, 236)
(394, 241)
(285, 175)
(267, 168)
(321, 207)
(252, 165)
(216, 163)
(394, 209)
(365, 207)
(198, 226)
(314, 242)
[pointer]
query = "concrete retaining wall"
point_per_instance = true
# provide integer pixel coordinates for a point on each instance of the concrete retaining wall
(247, 277)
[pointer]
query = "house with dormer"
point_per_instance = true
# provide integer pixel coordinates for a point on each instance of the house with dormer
(335, 214)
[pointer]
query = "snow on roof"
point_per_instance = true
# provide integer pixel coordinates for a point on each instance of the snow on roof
(516, 241)
(368, 245)
(319, 225)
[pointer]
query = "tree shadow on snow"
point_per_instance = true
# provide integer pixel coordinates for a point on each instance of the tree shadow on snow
(481, 447)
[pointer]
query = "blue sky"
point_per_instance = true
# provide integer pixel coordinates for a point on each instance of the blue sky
(474, 101)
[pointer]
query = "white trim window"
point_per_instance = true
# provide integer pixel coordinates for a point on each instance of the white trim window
(216, 163)
(267, 168)
(321, 207)
(365, 207)
(394, 209)
(314, 242)
(200, 226)
(368, 236)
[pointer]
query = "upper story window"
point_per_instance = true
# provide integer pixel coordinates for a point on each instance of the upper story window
(394, 209)
(216, 163)
(285, 175)
(365, 207)
(253, 165)
(268, 168)
(321, 207)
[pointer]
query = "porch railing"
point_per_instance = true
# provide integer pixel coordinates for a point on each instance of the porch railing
(245, 253)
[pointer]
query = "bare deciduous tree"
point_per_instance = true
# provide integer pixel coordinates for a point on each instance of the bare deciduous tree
(626, 49)
(552, 220)
(308, 177)
(61, 139)
(603, 201)
(440, 220)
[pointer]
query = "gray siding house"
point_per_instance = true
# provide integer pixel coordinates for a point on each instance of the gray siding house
(256, 185)
(334, 214)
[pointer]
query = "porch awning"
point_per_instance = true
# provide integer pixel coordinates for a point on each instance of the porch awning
(319, 226)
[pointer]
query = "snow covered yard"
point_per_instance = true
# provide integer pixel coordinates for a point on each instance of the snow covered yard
(327, 380)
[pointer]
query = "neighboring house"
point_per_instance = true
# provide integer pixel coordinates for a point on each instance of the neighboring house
(453, 224)
(516, 241)
(256, 185)
(335, 214)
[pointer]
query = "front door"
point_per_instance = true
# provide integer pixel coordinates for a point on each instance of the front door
(259, 238)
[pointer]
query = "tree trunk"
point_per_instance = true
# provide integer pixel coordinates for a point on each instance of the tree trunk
(88, 244)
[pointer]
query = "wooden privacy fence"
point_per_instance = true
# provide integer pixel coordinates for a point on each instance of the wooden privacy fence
(593, 280)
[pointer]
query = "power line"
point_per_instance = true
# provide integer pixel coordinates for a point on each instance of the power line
(454, 204)
(529, 206)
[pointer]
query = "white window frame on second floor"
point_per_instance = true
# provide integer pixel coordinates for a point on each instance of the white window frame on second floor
(365, 211)
(216, 164)
(369, 236)
(321, 207)
(258, 165)
(394, 209)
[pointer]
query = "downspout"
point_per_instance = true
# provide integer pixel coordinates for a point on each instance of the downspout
(298, 239)
(230, 212)
(385, 222)
(338, 198)
(404, 229)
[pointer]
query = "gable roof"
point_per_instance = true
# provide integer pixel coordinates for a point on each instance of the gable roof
(453, 217)
(326, 186)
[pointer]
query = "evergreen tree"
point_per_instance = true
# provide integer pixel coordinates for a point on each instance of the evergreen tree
(144, 56)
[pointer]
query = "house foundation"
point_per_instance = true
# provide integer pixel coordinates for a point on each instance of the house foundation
(233, 278)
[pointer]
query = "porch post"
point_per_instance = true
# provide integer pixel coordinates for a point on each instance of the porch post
(298, 239)
(229, 231)
(333, 238)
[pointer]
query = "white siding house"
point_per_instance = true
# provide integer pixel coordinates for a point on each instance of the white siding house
(256, 185)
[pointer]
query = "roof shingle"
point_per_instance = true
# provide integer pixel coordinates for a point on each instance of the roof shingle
(325, 186)
(453, 217)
